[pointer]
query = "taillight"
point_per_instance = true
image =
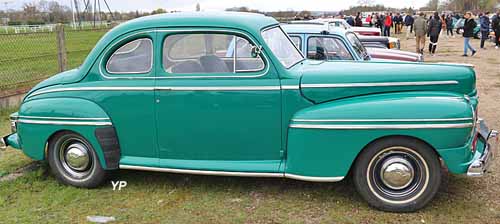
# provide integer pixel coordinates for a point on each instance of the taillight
(474, 143)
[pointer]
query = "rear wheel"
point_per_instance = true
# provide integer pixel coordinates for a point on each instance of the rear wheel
(397, 174)
(73, 161)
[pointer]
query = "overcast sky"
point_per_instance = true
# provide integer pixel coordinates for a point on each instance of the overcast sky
(217, 5)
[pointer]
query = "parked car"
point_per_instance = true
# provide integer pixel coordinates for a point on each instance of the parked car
(230, 94)
(459, 27)
(380, 42)
(339, 44)
(367, 31)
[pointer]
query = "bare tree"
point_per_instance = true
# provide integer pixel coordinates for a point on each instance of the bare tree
(366, 2)
(198, 7)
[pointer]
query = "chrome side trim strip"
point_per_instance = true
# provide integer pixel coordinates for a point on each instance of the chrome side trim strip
(63, 118)
(313, 179)
(96, 123)
(201, 172)
(218, 88)
(290, 87)
(380, 126)
(233, 174)
(380, 84)
(111, 88)
(382, 120)
(165, 88)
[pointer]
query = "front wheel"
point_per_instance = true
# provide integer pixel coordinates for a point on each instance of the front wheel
(397, 174)
(73, 161)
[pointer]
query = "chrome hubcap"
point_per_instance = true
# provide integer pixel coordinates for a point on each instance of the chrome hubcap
(397, 173)
(77, 157)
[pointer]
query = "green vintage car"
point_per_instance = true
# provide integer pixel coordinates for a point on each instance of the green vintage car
(229, 94)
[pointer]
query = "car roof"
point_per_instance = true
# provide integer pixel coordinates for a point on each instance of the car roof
(312, 28)
(241, 20)
(252, 23)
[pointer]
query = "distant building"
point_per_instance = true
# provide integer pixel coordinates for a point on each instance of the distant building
(4, 21)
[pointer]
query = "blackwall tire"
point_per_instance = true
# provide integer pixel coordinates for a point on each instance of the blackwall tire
(397, 174)
(73, 161)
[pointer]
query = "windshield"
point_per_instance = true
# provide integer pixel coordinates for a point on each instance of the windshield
(358, 46)
(282, 47)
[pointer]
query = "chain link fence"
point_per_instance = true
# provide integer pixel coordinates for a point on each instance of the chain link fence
(28, 58)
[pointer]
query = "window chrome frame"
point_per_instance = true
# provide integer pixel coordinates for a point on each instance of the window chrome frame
(228, 32)
(138, 72)
(336, 37)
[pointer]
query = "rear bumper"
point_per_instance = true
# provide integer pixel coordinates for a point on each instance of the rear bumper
(3, 145)
(480, 165)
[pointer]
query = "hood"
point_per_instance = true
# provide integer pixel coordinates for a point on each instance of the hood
(326, 81)
(66, 77)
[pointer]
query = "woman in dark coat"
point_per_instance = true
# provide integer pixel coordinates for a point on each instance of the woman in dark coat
(469, 26)
(435, 26)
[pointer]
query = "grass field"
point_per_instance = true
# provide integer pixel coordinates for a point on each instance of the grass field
(170, 198)
(26, 59)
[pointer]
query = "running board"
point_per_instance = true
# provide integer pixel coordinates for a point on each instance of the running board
(233, 174)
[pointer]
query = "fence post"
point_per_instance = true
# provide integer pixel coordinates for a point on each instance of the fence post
(62, 57)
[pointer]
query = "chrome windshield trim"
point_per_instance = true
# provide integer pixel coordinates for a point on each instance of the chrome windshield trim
(380, 126)
(201, 172)
(380, 84)
(382, 120)
(96, 123)
(63, 118)
(313, 179)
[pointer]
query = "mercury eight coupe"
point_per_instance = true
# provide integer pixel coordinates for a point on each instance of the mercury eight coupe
(230, 94)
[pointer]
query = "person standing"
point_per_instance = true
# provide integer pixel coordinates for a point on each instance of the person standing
(496, 28)
(443, 25)
(369, 20)
(435, 26)
(387, 25)
(484, 22)
(469, 26)
(449, 25)
(420, 26)
(409, 20)
(358, 21)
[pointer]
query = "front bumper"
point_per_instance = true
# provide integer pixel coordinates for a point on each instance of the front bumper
(480, 165)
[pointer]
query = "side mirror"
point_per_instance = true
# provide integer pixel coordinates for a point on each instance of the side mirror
(256, 51)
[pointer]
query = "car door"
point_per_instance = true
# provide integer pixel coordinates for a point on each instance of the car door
(218, 103)
(126, 93)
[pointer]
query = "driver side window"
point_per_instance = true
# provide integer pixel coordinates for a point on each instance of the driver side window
(327, 49)
(209, 53)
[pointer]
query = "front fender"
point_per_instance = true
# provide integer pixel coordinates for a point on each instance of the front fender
(40, 119)
(325, 139)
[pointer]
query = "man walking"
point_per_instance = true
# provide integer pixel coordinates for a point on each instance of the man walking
(484, 21)
(435, 26)
(469, 26)
(420, 26)
(409, 20)
(496, 27)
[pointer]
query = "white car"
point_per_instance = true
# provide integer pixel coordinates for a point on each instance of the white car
(367, 31)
